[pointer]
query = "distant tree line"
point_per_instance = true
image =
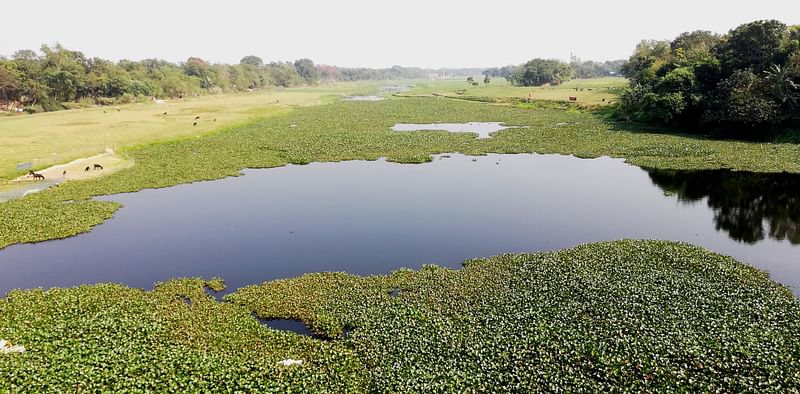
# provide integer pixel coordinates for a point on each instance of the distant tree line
(58, 78)
(746, 81)
(538, 72)
(362, 74)
(592, 69)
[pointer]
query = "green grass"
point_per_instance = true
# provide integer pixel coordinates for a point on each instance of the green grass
(360, 130)
(601, 89)
(58, 137)
(620, 316)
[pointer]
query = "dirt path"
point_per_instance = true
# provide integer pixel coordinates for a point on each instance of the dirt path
(76, 169)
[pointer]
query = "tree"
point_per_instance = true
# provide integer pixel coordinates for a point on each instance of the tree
(329, 73)
(486, 80)
(538, 72)
(743, 81)
(199, 68)
(648, 57)
(63, 72)
(251, 60)
(756, 45)
(284, 74)
(307, 70)
(783, 89)
(696, 40)
(9, 82)
(742, 99)
(470, 80)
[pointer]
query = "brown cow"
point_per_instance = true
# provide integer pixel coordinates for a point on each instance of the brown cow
(573, 98)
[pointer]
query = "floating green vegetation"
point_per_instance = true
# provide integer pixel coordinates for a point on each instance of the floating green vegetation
(618, 316)
(361, 130)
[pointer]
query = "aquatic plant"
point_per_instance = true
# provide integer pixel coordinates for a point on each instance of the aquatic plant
(617, 316)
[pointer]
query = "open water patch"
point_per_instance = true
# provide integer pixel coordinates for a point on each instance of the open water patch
(291, 325)
(483, 129)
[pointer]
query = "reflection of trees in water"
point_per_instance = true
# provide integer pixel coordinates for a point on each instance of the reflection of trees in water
(743, 202)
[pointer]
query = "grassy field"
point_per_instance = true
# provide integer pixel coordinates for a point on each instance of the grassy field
(638, 316)
(57, 137)
(598, 91)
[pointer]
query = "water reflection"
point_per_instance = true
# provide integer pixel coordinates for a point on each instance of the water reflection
(748, 206)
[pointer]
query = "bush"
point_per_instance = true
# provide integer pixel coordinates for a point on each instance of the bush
(104, 101)
(87, 102)
(126, 98)
(33, 109)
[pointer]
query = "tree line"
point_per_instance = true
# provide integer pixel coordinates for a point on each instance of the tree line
(537, 72)
(58, 78)
(745, 82)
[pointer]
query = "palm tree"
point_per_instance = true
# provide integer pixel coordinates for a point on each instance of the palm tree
(786, 90)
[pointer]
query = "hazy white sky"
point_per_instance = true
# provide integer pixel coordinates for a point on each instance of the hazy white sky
(369, 33)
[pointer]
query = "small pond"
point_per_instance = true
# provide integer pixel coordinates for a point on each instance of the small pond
(384, 91)
(375, 217)
(292, 325)
(483, 129)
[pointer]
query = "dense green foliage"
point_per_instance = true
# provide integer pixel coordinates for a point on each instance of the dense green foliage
(352, 130)
(747, 80)
(538, 72)
(60, 78)
(620, 316)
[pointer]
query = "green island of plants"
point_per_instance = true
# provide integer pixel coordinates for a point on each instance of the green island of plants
(627, 316)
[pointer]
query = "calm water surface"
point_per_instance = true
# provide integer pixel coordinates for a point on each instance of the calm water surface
(374, 217)
(483, 129)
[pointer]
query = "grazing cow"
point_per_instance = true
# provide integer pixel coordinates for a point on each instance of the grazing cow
(35, 175)
(573, 98)
(603, 100)
(197, 117)
(98, 166)
(215, 119)
(194, 124)
(164, 113)
(87, 168)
